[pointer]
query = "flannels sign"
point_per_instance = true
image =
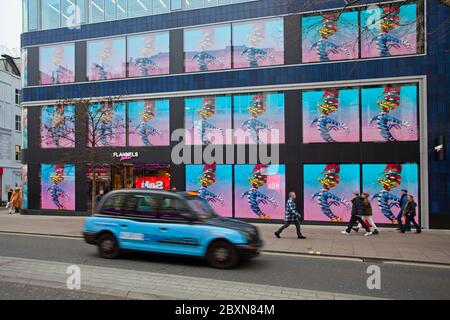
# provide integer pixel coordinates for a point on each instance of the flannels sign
(123, 156)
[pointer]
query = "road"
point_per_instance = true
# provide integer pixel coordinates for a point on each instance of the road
(398, 281)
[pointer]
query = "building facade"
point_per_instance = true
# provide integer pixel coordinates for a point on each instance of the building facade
(10, 126)
(341, 98)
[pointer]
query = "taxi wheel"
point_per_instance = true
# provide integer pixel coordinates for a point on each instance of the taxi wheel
(108, 247)
(222, 255)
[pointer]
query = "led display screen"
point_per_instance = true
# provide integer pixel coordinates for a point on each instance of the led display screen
(207, 119)
(384, 183)
(106, 125)
(106, 59)
(24, 128)
(331, 115)
(57, 64)
(24, 187)
(259, 191)
(259, 118)
(389, 113)
(389, 30)
(328, 190)
(58, 127)
(258, 43)
(58, 186)
(149, 123)
(148, 54)
(207, 48)
(330, 36)
(214, 184)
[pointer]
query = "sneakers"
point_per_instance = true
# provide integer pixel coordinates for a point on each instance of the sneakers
(368, 234)
(301, 237)
(356, 229)
(345, 232)
(277, 235)
(375, 232)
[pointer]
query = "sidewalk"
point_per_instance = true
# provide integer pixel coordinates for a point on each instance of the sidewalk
(431, 246)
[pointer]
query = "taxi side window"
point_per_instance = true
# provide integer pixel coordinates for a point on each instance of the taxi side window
(173, 209)
(114, 204)
(147, 206)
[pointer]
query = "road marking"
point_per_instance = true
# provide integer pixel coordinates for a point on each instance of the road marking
(308, 255)
(37, 235)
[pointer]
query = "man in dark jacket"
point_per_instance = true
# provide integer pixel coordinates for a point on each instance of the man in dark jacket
(409, 213)
(402, 204)
(358, 210)
(291, 216)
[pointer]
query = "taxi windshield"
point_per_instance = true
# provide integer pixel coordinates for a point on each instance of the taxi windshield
(201, 208)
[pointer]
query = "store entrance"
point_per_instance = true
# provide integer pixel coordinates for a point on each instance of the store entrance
(140, 176)
(127, 176)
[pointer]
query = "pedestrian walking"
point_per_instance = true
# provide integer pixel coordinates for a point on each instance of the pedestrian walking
(368, 219)
(8, 203)
(358, 211)
(99, 197)
(16, 201)
(402, 204)
(410, 213)
(291, 217)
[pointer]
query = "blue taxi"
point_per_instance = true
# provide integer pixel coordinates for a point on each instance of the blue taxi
(179, 223)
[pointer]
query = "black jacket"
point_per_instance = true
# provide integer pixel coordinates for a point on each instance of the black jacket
(410, 209)
(358, 208)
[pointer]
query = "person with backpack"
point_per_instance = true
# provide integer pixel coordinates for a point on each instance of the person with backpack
(358, 210)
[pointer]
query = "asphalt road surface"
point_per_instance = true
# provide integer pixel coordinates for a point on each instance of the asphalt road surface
(398, 281)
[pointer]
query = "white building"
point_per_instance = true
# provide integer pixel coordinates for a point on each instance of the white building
(10, 125)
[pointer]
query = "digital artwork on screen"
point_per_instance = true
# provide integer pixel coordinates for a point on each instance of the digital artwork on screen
(58, 127)
(331, 116)
(330, 36)
(24, 186)
(106, 124)
(258, 43)
(24, 67)
(148, 54)
(259, 118)
(149, 123)
(260, 191)
(384, 183)
(57, 64)
(328, 190)
(207, 119)
(389, 113)
(58, 186)
(207, 48)
(214, 184)
(106, 59)
(389, 30)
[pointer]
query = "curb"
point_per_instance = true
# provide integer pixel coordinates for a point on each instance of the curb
(366, 259)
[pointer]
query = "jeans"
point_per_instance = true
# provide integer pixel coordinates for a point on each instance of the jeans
(287, 224)
(399, 220)
(408, 221)
(354, 220)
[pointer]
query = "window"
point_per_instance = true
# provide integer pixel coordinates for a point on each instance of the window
(50, 14)
(193, 4)
(121, 9)
(210, 3)
(72, 12)
(172, 209)
(106, 59)
(32, 14)
(25, 15)
(175, 5)
(57, 64)
(161, 6)
(114, 204)
(17, 97)
(18, 123)
(97, 11)
(147, 206)
(18, 153)
(139, 7)
(110, 10)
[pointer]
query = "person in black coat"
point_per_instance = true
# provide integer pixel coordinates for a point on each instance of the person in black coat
(358, 210)
(410, 213)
